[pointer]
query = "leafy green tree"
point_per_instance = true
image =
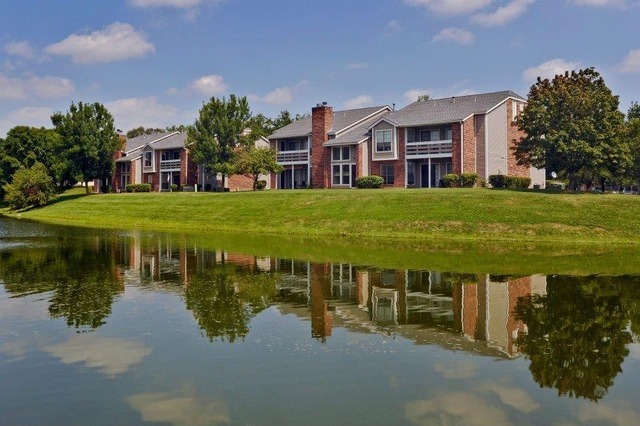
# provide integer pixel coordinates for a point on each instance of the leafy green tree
(89, 139)
(32, 187)
(422, 98)
(634, 111)
(139, 131)
(253, 162)
(573, 126)
(218, 132)
(577, 334)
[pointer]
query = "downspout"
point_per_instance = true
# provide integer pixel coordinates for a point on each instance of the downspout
(461, 147)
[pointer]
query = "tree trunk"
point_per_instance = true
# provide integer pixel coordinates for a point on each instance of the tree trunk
(86, 186)
(224, 180)
(602, 181)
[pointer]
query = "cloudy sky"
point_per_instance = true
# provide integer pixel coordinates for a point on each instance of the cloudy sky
(153, 62)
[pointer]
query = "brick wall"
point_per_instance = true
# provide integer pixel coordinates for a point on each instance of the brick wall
(240, 183)
(469, 145)
(321, 123)
(400, 164)
(513, 138)
(359, 160)
(517, 288)
(456, 144)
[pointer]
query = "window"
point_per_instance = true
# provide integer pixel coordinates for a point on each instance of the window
(341, 153)
(386, 171)
(448, 167)
(429, 135)
(125, 167)
(448, 135)
(148, 159)
(383, 140)
(341, 174)
(411, 174)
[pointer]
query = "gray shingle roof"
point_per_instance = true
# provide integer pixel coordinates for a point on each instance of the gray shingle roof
(166, 140)
(448, 110)
(355, 134)
(341, 120)
(140, 141)
(175, 141)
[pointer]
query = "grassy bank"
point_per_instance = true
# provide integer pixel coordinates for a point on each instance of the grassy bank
(408, 215)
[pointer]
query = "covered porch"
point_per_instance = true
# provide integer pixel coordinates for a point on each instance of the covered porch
(427, 172)
(294, 176)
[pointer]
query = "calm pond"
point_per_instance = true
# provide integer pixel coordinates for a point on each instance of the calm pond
(104, 327)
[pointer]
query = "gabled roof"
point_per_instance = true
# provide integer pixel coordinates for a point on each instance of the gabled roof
(165, 140)
(448, 110)
(342, 120)
(355, 134)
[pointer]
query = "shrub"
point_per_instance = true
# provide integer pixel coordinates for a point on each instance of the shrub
(32, 187)
(468, 180)
(372, 181)
(515, 182)
(498, 181)
(262, 184)
(138, 187)
(450, 180)
(483, 183)
(174, 187)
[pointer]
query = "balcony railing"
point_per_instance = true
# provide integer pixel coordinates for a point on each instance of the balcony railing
(434, 149)
(170, 165)
(291, 157)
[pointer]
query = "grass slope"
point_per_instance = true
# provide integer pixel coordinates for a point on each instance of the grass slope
(409, 215)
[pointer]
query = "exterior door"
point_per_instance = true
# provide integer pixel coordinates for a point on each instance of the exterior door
(435, 175)
(424, 175)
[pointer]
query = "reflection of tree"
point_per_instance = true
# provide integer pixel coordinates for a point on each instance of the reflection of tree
(225, 297)
(80, 275)
(577, 335)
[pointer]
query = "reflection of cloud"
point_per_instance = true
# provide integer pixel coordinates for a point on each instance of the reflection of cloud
(463, 408)
(110, 356)
(514, 397)
(179, 409)
(618, 415)
(16, 349)
(456, 369)
(634, 350)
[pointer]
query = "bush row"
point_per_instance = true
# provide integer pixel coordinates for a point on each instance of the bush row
(504, 181)
(464, 180)
(138, 187)
(372, 181)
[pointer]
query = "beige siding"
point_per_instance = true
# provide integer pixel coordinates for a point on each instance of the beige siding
(138, 177)
(365, 159)
(498, 302)
(390, 155)
(497, 140)
(480, 145)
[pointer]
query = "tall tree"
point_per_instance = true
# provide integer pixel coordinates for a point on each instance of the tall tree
(25, 146)
(634, 111)
(254, 162)
(218, 132)
(573, 127)
(90, 140)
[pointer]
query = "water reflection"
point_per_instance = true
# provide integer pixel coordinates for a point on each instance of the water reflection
(575, 331)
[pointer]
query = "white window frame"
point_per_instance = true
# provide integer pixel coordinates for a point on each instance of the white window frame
(378, 141)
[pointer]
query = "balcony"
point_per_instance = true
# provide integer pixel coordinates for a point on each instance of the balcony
(169, 165)
(293, 157)
(433, 149)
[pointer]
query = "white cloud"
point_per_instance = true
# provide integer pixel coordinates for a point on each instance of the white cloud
(451, 7)
(110, 356)
(116, 42)
(130, 113)
(457, 35)
(358, 66)
(179, 409)
(504, 14)
(549, 69)
(361, 101)
(511, 396)
(281, 95)
(209, 85)
(179, 4)
(20, 48)
(411, 95)
(28, 116)
(631, 62)
(35, 86)
(599, 3)
(393, 27)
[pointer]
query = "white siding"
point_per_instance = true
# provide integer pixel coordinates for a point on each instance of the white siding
(138, 177)
(538, 177)
(497, 141)
(365, 159)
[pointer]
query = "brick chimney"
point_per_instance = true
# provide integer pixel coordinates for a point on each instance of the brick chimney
(321, 124)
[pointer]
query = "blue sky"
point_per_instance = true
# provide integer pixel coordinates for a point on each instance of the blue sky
(154, 62)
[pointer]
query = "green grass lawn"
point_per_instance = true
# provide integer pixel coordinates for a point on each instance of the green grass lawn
(409, 215)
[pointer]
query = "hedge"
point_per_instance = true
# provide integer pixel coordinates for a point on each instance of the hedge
(262, 184)
(450, 180)
(372, 181)
(468, 180)
(138, 187)
(514, 182)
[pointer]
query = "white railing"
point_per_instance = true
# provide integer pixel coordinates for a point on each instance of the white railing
(170, 165)
(287, 157)
(429, 149)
